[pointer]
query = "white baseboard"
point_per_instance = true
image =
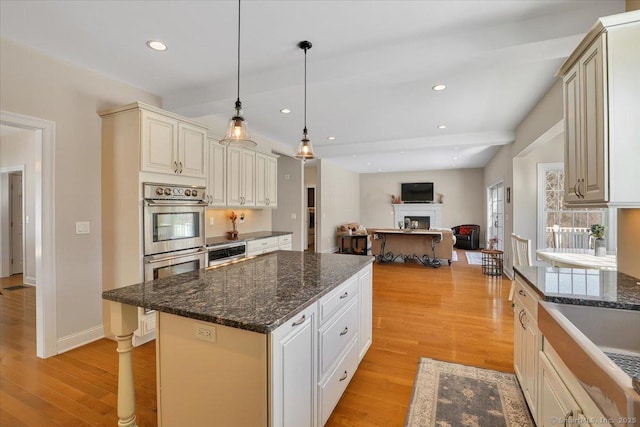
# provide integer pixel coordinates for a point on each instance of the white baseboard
(508, 273)
(79, 339)
(29, 280)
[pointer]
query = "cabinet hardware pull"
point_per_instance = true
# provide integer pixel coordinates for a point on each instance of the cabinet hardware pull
(344, 376)
(299, 322)
(180, 167)
(344, 331)
(343, 296)
(521, 317)
(175, 167)
(566, 417)
(575, 186)
(521, 292)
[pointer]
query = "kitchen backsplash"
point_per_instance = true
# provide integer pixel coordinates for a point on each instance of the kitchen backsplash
(254, 220)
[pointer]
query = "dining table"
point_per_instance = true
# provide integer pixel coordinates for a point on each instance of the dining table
(577, 258)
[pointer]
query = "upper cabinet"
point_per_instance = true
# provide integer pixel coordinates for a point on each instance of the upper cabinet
(241, 177)
(266, 180)
(217, 180)
(601, 110)
(172, 146)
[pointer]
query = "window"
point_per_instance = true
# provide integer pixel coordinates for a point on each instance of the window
(551, 209)
(495, 214)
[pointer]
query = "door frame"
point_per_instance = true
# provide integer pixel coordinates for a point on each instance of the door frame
(315, 217)
(44, 222)
(501, 243)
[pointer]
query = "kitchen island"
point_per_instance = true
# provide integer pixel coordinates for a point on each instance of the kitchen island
(272, 340)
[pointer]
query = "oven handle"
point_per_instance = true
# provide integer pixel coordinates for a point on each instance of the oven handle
(149, 259)
(153, 202)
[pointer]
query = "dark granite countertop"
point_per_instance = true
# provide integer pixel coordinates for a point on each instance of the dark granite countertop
(579, 286)
(222, 240)
(256, 294)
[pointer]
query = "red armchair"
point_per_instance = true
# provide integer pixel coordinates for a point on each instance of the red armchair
(467, 236)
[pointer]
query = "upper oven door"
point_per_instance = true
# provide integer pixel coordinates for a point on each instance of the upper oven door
(171, 226)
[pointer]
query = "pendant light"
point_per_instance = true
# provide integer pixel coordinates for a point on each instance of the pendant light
(238, 132)
(305, 151)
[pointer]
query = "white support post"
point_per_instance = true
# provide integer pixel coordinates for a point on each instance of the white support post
(124, 320)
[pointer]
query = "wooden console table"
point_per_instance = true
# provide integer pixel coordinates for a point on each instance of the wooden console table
(409, 245)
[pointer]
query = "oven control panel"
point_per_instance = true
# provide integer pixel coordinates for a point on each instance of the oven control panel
(173, 192)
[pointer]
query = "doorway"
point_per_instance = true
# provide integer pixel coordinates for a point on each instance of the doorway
(44, 226)
(16, 223)
(495, 214)
(311, 218)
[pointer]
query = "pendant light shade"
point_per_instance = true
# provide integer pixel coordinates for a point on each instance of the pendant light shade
(237, 131)
(305, 151)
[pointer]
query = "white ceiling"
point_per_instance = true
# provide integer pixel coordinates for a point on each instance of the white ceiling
(370, 70)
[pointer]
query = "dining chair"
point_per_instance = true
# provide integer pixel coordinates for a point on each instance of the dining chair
(521, 249)
(570, 238)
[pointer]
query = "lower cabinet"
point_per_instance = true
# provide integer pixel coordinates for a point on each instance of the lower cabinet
(293, 379)
(557, 405)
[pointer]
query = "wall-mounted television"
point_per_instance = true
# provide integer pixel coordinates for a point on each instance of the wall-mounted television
(417, 192)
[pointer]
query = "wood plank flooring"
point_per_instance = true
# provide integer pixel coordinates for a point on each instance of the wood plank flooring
(451, 313)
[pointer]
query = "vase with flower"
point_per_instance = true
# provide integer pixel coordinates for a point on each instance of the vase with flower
(598, 231)
(493, 243)
(233, 235)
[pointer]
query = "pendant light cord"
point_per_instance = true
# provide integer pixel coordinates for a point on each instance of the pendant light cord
(305, 90)
(238, 99)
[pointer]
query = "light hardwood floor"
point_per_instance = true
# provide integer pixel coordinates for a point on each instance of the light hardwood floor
(451, 313)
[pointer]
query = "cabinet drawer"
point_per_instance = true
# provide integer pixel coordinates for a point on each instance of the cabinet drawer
(285, 247)
(527, 297)
(338, 298)
(284, 240)
(331, 390)
(255, 245)
(334, 339)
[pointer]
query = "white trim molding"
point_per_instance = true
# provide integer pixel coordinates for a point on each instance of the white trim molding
(432, 210)
(79, 339)
(46, 317)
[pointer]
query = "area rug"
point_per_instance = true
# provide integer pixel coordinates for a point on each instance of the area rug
(454, 256)
(474, 258)
(450, 395)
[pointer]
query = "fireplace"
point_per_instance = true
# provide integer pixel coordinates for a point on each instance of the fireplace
(418, 210)
(419, 222)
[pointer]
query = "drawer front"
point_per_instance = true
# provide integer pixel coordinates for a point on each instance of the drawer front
(527, 297)
(258, 244)
(331, 390)
(285, 247)
(338, 298)
(334, 339)
(284, 240)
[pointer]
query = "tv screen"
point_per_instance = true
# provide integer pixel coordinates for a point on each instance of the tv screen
(417, 192)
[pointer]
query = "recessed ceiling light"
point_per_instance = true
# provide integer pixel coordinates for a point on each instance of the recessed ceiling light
(156, 45)
(453, 166)
(455, 158)
(439, 87)
(455, 148)
(379, 170)
(354, 155)
(331, 138)
(368, 163)
(285, 111)
(442, 127)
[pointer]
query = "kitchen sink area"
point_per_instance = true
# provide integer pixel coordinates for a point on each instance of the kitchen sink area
(601, 346)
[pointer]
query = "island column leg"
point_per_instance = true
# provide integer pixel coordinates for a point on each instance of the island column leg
(124, 320)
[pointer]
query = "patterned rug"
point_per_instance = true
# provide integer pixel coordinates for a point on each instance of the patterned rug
(451, 395)
(474, 258)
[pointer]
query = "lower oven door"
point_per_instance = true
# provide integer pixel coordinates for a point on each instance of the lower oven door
(172, 226)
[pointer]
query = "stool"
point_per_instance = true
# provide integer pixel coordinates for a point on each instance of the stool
(492, 262)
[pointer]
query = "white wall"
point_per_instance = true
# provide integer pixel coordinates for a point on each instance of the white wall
(34, 84)
(18, 149)
(338, 202)
(290, 201)
(462, 190)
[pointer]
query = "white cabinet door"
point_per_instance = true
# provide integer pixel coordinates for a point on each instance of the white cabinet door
(593, 101)
(193, 148)
(248, 178)
(271, 181)
(234, 176)
(159, 143)
(217, 182)
(557, 405)
(261, 188)
(530, 355)
(365, 278)
(572, 140)
(293, 378)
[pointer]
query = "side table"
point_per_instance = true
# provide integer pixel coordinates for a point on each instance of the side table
(492, 262)
(357, 244)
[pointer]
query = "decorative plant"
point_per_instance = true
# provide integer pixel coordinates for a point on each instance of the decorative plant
(493, 242)
(598, 231)
(233, 217)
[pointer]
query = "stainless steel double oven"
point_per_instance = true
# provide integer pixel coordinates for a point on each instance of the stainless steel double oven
(174, 229)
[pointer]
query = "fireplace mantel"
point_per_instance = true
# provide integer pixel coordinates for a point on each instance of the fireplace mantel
(432, 210)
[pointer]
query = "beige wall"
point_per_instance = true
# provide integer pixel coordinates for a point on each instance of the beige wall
(18, 149)
(338, 202)
(254, 220)
(289, 215)
(310, 175)
(627, 236)
(34, 84)
(462, 190)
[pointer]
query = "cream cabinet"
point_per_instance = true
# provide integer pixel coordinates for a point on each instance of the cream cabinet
(557, 405)
(293, 375)
(365, 278)
(262, 246)
(284, 242)
(266, 180)
(217, 174)
(601, 91)
(240, 177)
(527, 342)
(172, 146)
